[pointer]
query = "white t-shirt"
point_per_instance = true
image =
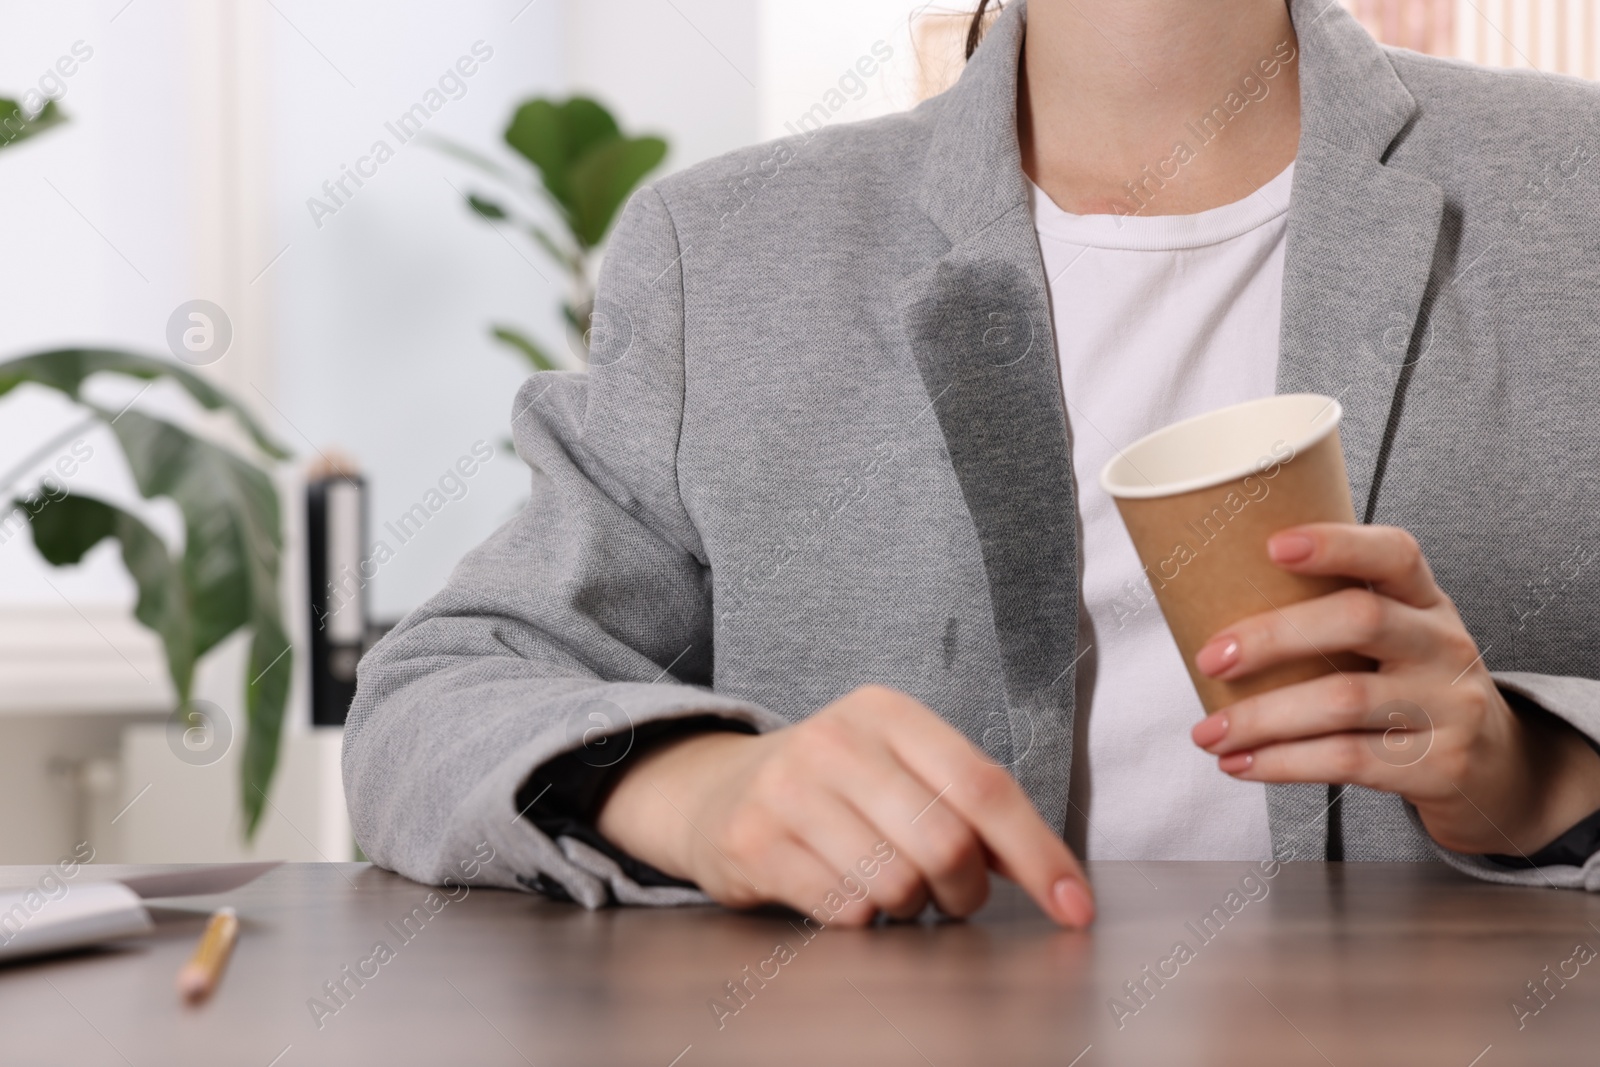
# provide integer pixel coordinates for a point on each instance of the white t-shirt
(1156, 318)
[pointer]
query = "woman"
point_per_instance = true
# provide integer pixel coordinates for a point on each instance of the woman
(839, 439)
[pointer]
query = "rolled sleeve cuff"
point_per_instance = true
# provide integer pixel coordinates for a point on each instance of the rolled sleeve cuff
(574, 862)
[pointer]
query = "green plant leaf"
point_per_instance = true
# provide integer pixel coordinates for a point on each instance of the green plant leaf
(66, 369)
(536, 356)
(578, 322)
(232, 531)
(487, 208)
(66, 527)
(571, 262)
(16, 127)
(232, 544)
(554, 135)
(266, 696)
(602, 179)
(469, 155)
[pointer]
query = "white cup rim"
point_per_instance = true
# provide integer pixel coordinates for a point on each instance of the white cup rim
(1282, 418)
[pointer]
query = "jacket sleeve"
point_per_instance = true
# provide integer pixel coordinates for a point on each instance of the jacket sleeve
(583, 618)
(1577, 701)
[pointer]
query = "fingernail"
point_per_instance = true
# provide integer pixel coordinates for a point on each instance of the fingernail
(1210, 730)
(1234, 762)
(1218, 655)
(1073, 901)
(1289, 548)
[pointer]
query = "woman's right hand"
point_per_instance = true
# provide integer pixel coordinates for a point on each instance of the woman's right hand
(785, 816)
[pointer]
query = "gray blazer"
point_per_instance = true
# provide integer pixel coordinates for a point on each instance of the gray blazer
(822, 443)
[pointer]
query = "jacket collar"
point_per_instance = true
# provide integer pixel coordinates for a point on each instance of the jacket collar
(974, 170)
(1350, 95)
(1350, 98)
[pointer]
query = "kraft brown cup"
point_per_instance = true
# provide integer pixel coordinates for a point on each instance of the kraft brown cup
(1200, 498)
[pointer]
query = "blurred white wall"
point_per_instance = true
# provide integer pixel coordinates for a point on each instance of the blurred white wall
(690, 70)
(380, 316)
(853, 57)
(97, 247)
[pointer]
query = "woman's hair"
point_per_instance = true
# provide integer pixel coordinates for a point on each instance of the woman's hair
(975, 29)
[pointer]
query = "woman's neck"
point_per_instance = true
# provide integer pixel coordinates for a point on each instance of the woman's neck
(1157, 107)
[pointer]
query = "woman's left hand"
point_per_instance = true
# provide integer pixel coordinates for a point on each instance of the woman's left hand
(1429, 723)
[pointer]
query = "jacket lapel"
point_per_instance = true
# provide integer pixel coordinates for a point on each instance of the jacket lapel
(976, 317)
(1361, 241)
(1360, 250)
(978, 325)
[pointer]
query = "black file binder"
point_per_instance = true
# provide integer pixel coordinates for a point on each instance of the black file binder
(336, 535)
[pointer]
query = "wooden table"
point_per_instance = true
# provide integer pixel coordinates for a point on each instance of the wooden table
(1351, 965)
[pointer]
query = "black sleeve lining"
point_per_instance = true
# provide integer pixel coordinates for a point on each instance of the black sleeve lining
(1574, 847)
(1571, 849)
(562, 796)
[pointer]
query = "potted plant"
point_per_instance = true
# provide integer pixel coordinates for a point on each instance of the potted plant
(225, 576)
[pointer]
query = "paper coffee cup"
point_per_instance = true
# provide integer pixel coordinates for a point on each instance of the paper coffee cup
(1201, 497)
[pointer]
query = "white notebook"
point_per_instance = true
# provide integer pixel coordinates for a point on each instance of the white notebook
(40, 919)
